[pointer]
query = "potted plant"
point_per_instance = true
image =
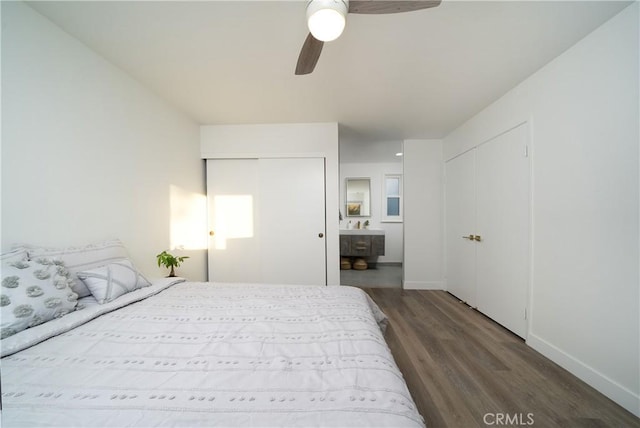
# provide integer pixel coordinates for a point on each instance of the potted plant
(366, 224)
(170, 261)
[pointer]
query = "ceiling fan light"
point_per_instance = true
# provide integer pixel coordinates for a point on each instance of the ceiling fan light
(326, 18)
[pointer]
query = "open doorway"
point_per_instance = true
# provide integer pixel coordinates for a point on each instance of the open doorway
(371, 227)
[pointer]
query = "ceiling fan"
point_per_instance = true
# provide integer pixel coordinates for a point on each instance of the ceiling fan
(326, 20)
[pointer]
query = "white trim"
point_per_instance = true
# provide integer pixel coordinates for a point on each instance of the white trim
(532, 236)
(616, 392)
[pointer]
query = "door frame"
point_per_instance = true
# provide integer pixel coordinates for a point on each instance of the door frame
(286, 140)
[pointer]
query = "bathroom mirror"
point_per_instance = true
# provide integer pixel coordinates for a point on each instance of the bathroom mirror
(358, 203)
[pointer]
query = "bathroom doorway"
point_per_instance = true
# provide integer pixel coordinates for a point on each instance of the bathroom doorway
(371, 205)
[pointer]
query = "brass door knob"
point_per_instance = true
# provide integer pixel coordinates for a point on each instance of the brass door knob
(477, 238)
(211, 233)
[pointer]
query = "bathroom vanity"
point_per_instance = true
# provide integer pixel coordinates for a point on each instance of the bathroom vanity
(362, 243)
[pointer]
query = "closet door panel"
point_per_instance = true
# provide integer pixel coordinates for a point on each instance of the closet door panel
(460, 222)
(502, 216)
(232, 195)
(267, 220)
(293, 221)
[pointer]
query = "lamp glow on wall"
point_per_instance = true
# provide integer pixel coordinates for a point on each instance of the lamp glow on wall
(326, 18)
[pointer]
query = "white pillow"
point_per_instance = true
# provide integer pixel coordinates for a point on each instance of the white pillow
(82, 258)
(109, 282)
(33, 292)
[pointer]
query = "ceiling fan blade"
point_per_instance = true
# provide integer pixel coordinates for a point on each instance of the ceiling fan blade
(309, 55)
(389, 6)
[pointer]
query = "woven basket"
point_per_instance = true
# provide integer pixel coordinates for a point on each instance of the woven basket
(345, 263)
(360, 264)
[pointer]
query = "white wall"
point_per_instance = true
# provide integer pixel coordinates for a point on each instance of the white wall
(584, 116)
(365, 151)
(376, 172)
(285, 140)
(423, 215)
(88, 153)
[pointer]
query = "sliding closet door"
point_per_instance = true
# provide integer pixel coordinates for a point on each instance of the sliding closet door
(460, 224)
(292, 220)
(233, 188)
(502, 194)
(267, 221)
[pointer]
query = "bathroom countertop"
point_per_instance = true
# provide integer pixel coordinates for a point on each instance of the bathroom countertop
(361, 232)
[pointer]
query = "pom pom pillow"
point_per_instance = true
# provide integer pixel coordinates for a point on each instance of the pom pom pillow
(82, 258)
(33, 292)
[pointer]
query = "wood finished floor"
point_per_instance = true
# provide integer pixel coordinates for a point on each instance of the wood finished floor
(459, 366)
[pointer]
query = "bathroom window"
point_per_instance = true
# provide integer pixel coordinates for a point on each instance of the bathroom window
(392, 201)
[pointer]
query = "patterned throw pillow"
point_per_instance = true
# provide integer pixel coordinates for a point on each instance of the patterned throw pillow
(33, 292)
(82, 258)
(109, 282)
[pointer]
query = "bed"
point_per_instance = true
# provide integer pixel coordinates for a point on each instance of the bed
(187, 354)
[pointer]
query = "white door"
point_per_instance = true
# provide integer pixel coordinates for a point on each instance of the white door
(232, 191)
(267, 217)
(502, 219)
(292, 221)
(460, 224)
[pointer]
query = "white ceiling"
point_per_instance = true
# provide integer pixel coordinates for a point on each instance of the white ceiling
(387, 78)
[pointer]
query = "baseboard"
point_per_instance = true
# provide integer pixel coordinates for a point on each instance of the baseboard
(616, 392)
(423, 285)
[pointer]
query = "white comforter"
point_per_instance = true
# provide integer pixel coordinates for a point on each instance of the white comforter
(202, 354)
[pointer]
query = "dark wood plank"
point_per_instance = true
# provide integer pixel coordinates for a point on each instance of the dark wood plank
(460, 366)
